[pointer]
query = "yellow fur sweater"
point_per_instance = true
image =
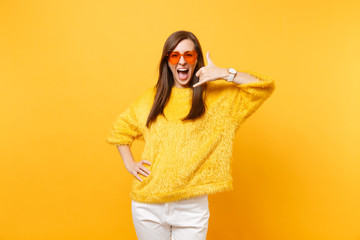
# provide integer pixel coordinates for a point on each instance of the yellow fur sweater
(191, 158)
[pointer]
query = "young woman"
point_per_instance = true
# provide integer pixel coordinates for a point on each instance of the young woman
(188, 121)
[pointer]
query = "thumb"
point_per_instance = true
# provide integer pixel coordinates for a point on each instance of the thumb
(210, 62)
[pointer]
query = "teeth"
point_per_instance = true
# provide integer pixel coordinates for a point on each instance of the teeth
(182, 69)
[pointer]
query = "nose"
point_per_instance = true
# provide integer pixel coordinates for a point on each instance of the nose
(182, 60)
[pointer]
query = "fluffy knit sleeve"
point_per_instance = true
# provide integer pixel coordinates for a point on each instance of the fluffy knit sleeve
(125, 128)
(250, 96)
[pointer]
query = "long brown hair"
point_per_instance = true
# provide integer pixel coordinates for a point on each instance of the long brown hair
(166, 81)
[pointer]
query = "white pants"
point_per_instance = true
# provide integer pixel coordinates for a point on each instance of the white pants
(181, 220)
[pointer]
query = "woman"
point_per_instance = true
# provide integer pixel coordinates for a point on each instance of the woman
(188, 122)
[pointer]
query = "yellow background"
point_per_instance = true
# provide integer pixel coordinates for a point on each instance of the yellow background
(68, 68)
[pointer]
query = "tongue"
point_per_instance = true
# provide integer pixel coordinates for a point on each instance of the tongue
(183, 75)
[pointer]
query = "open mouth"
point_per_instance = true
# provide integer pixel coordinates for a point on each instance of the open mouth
(183, 73)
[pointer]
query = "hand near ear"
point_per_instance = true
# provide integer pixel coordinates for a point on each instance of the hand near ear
(210, 72)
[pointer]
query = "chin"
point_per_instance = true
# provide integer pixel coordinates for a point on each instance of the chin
(184, 83)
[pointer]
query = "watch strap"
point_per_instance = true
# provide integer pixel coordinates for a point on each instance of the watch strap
(232, 73)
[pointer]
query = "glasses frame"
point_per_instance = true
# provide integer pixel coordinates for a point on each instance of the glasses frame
(192, 51)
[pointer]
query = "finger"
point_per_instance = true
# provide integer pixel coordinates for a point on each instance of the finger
(141, 171)
(146, 161)
(201, 80)
(200, 75)
(198, 84)
(210, 62)
(136, 176)
(198, 72)
(145, 169)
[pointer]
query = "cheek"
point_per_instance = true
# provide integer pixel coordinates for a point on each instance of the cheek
(172, 68)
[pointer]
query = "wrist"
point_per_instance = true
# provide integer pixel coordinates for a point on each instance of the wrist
(225, 74)
(229, 73)
(129, 162)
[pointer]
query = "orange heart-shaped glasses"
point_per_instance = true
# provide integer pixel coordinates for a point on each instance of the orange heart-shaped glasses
(189, 56)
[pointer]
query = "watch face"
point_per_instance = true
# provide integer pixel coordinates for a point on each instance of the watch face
(231, 70)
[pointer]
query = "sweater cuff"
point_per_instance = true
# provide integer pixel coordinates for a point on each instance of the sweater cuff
(264, 81)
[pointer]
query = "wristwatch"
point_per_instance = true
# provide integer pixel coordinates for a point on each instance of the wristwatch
(232, 74)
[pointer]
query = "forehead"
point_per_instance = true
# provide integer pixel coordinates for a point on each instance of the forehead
(184, 45)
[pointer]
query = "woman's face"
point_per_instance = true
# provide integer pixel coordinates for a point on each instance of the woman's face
(182, 79)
